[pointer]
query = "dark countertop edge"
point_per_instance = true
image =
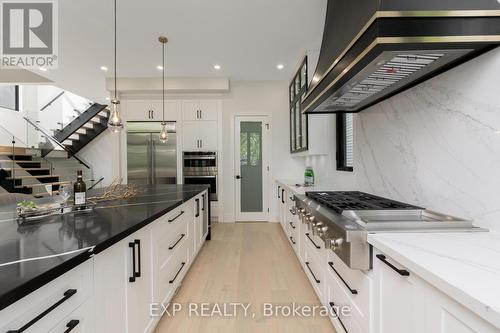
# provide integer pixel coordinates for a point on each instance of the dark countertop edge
(39, 281)
(32, 285)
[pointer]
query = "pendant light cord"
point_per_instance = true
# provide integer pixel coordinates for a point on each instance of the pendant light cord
(163, 76)
(115, 49)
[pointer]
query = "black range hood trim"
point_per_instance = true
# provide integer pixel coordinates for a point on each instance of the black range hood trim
(380, 33)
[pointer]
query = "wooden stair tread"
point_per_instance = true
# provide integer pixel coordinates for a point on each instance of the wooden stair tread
(27, 169)
(43, 184)
(30, 176)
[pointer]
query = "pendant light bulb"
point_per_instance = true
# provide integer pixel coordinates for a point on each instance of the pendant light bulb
(115, 122)
(164, 133)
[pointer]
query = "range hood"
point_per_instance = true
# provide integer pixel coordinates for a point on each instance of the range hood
(373, 49)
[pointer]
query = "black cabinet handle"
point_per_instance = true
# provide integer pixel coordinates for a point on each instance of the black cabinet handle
(175, 244)
(332, 305)
(315, 245)
(279, 187)
(176, 274)
(353, 291)
(293, 213)
(152, 114)
(291, 224)
(201, 114)
(132, 246)
(197, 207)
(176, 217)
(283, 196)
(138, 243)
(312, 273)
(291, 239)
(203, 199)
(72, 324)
(67, 295)
(402, 272)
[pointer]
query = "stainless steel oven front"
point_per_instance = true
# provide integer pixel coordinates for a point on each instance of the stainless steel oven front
(201, 168)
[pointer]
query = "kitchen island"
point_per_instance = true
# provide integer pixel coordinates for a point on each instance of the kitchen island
(34, 254)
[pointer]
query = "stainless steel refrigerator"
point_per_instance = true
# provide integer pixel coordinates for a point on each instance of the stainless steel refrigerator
(149, 161)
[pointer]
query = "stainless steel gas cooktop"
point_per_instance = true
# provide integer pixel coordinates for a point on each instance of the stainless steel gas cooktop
(343, 220)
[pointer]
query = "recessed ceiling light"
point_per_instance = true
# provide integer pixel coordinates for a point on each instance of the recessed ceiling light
(43, 69)
(217, 67)
(280, 66)
(159, 67)
(104, 68)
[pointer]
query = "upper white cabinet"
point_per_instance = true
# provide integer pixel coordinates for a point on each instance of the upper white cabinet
(195, 110)
(150, 109)
(200, 135)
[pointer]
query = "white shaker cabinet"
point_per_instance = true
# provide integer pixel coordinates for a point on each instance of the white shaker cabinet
(407, 303)
(150, 109)
(123, 285)
(196, 110)
(199, 135)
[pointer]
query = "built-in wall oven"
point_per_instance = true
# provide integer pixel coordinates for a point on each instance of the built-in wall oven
(200, 167)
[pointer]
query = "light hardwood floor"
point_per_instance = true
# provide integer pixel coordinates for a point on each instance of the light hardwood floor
(248, 263)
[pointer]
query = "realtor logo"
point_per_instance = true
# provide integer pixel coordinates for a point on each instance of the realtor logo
(29, 33)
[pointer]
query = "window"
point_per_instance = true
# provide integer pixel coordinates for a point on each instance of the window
(345, 142)
(9, 97)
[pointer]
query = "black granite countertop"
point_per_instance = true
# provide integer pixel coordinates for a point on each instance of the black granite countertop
(33, 254)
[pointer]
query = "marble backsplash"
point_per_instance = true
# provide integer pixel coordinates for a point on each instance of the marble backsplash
(438, 144)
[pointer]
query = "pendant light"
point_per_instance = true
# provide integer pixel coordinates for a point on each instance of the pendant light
(164, 132)
(115, 122)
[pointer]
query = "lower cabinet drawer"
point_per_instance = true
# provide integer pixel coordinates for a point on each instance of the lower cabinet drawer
(79, 321)
(40, 310)
(172, 272)
(315, 273)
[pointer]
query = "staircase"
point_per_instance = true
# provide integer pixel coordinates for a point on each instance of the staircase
(27, 172)
(82, 130)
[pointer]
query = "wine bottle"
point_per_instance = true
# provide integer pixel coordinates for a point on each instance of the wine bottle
(80, 189)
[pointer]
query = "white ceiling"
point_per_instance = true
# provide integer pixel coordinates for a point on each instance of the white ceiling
(248, 38)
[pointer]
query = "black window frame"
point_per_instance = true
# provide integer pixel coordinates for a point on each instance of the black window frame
(341, 143)
(16, 102)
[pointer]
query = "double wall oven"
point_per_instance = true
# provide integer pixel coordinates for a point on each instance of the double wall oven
(200, 167)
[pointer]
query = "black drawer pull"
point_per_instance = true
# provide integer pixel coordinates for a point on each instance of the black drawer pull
(175, 244)
(292, 211)
(282, 196)
(291, 224)
(138, 243)
(291, 239)
(279, 187)
(197, 207)
(67, 295)
(132, 246)
(315, 245)
(312, 273)
(176, 217)
(72, 324)
(177, 274)
(353, 291)
(402, 272)
(332, 305)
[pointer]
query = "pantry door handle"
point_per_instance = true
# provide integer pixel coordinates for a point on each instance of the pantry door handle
(402, 272)
(72, 324)
(176, 274)
(67, 295)
(353, 291)
(312, 273)
(332, 305)
(175, 244)
(316, 246)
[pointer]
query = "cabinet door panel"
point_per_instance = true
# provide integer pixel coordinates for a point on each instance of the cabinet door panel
(190, 110)
(208, 110)
(137, 110)
(190, 135)
(208, 135)
(172, 108)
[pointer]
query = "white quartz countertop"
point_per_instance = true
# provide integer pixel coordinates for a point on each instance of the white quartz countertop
(291, 185)
(465, 266)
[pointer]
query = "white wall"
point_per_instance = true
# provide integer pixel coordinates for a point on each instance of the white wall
(256, 98)
(436, 145)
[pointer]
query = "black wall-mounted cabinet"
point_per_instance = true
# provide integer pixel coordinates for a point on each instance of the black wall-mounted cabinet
(298, 120)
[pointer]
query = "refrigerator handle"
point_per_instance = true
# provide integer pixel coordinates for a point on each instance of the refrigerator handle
(153, 161)
(150, 166)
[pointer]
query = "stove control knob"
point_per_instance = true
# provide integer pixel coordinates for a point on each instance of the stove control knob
(316, 227)
(322, 231)
(335, 243)
(311, 219)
